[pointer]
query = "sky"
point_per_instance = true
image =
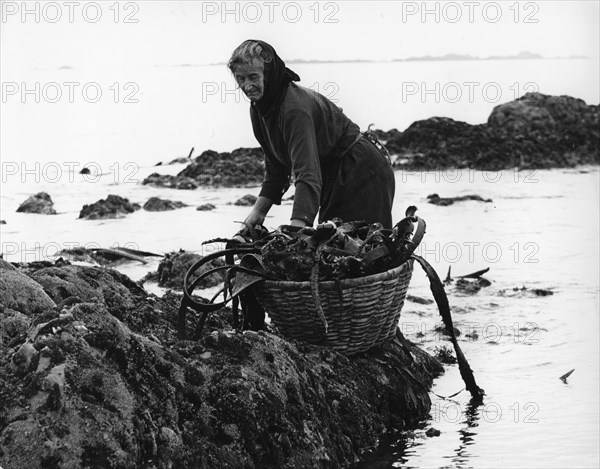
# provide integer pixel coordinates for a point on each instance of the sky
(118, 35)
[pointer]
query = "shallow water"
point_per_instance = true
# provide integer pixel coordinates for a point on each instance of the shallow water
(540, 231)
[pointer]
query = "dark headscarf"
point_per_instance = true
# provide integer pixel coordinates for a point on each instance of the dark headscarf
(277, 78)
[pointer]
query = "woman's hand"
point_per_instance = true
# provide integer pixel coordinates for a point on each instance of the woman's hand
(254, 218)
(259, 212)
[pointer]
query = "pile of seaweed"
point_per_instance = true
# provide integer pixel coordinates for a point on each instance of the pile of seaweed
(337, 250)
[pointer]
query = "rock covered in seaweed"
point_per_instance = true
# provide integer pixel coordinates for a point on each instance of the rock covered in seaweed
(114, 206)
(534, 131)
(241, 167)
(206, 207)
(246, 201)
(38, 203)
(156, 204)
(174, 265)
(93, 390)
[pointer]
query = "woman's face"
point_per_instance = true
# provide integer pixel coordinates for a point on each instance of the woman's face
(250, 78)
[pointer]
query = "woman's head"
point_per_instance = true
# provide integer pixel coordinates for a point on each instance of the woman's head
(247, 64)
(260, 73)
(247, 53)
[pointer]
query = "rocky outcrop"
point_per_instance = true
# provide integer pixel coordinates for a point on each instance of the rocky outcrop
(174, 265)
(534, 131)
(156, 204)
(114, 206)
(94, 390)
(38, 203)
(241, 167)
(206, 207)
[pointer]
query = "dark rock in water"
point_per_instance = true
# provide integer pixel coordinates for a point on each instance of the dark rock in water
(84, 171)
(538, 112)
(525, 292)
(158, 164)
(171, 182)
(433, 432)
(206, 207)
(114, 206)
(246, 201)
(418, 299)
(445, 201)
(174, 266)
(534, 131)
(241, 167)
(2, 222)
(38, 203)
(129, 395)
(470, 287)
(441, 142)
(156, 204)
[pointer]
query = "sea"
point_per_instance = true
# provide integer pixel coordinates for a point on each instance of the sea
(538, 234)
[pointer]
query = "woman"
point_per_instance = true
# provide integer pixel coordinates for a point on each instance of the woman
(337, 171)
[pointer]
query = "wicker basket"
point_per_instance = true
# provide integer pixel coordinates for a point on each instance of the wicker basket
(367, 315)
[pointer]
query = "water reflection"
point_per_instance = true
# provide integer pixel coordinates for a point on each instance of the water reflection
(472, 415)
(393, 451)
(402, 450)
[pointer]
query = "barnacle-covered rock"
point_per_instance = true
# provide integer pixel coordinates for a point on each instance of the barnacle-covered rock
(94, 390)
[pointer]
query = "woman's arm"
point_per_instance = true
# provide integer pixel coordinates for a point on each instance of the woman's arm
(299, 134)
(277, 178)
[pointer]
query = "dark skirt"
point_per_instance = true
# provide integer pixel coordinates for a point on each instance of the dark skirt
(358, 186)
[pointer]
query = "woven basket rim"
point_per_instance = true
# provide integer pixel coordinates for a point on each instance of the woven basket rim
(347, 282)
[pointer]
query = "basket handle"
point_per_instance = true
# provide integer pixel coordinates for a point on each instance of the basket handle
(188, 287)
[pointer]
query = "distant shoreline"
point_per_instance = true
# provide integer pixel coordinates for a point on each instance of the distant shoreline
(426, 58)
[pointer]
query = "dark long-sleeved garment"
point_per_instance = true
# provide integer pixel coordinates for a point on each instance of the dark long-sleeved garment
(306, 136)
